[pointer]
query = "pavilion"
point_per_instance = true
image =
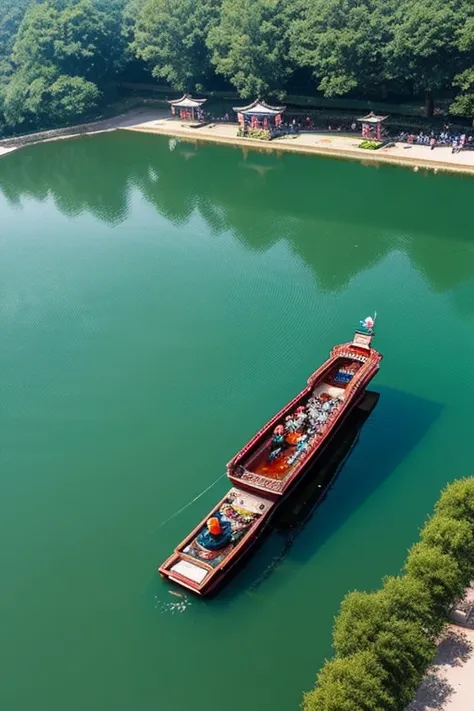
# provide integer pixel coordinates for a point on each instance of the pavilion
(372, 126)
(187, 107)
(259, 114)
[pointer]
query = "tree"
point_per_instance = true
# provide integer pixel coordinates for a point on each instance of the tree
(367, 622)
(464, 102)
(170, 35)
(11, 15)
(455, 537)
(423, 49)
(355, 683)
(343, 42)
(72, 97)
(26, 97)
(439, 573)
(250, 45)
(457, 501)
(62, 51)
(408, 599)
(89, 41)
(35, 40)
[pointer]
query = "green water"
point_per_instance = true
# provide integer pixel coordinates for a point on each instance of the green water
(158, 302)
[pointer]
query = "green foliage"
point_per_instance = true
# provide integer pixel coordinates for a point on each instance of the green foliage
(72, 97)
(370, 145)
(390, 635)
(61, 53)
(260, 133)
(423, 49)
(409, 600)
(457, 501)
(89, 41)
(342, 42)
(170, 35)
(261, 48)
(249, 46)
(11, 15)
(355, 683)
(438, 572)
(370, 623)
(455, 537)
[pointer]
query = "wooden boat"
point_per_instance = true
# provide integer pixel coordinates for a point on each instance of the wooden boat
(263, 479)
(331, 393)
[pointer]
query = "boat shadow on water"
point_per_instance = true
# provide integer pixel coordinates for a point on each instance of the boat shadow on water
(400, 422)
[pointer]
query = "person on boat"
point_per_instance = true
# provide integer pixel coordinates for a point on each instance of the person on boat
(278, 442)
(278, 439)
(300, 417)
(217, 533)
(290, 424)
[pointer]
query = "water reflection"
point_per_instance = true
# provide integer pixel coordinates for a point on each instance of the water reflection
(340, 218)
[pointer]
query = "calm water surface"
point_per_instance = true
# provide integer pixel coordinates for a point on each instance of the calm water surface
(158, 302)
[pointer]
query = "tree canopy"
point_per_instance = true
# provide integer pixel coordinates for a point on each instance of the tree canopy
(61, 54)
(266, 48)
(170, 35)
(390, 635)
(250, 45)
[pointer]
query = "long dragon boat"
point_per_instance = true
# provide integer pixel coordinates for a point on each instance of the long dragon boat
(271, 465)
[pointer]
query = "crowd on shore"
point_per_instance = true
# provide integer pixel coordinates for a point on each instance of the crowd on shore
(458, 140)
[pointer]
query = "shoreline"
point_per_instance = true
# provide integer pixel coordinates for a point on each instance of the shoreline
(323, 144)
(342, 147)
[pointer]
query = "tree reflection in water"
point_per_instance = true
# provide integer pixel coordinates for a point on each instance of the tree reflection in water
(339, 217)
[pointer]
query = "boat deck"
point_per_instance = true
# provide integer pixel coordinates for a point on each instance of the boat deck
(271, 473)
(194, 565)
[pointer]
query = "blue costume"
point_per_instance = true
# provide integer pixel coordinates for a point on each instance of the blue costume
(212, 542)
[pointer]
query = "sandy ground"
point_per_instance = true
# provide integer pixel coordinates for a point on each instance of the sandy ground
(317, 143)
(449, 684)
(4, 151)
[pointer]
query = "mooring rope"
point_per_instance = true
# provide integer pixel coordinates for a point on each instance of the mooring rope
(183, 508)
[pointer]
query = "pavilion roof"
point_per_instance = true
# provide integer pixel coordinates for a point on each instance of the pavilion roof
(187, 102)
(259, 108)
(372, 118)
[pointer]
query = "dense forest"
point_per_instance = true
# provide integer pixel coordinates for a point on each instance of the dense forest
(59, 59)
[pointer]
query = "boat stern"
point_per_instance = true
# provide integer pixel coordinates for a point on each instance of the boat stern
(188, 574)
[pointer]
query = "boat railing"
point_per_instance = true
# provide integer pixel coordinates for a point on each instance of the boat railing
(240, 471)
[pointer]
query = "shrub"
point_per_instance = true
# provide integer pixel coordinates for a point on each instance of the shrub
(260, 133)
(370, 145)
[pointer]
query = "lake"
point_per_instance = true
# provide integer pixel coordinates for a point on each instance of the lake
(159, 301)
